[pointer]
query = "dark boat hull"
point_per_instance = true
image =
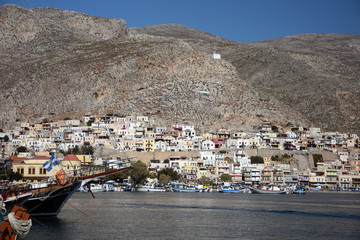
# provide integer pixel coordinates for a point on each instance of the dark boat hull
(10, 203)
(49, 203)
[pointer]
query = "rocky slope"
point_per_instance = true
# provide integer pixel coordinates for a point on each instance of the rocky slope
(60, 63)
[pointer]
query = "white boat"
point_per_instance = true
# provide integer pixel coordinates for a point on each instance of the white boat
(97, 187)
(149, 188)
(268, 190)
(231, 189)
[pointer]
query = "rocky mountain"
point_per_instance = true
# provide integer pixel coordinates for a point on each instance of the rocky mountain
(60, 63)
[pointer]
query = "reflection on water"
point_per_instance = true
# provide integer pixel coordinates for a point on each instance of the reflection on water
(127, 215)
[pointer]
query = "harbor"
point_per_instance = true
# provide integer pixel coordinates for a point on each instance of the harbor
(158, 120)
(171, 215)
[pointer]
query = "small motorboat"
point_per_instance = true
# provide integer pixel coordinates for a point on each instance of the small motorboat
(268, 190)
(231, 189)
(185, 188)
(149, 188)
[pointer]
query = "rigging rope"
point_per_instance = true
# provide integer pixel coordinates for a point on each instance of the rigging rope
(20, 227)
(2, 206)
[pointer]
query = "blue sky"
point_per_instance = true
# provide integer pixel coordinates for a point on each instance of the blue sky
(238, 20)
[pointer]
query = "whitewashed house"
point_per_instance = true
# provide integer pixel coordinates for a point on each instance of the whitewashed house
(242, 158)
(207, 145)
(208, 158)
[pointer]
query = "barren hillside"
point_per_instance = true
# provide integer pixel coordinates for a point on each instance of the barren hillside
(60, 63)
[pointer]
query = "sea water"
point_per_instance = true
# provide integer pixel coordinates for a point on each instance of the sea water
(167, 215)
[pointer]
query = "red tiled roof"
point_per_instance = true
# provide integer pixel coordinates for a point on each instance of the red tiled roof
(14, 157)
(71, 157)
(17, 161)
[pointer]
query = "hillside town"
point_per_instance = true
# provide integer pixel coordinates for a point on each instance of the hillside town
(27, 147)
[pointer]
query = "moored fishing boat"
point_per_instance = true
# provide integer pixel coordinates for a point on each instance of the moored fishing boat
(185, 188)
(270, 190)
(149, 188)
(97, 187)
(232, 189)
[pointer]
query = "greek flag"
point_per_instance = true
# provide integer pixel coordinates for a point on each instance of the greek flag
(52, 162)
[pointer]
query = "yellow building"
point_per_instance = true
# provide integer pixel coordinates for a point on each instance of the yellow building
(71, 164)
(209, 136)
(203, 172)
(32, 168)
(317, 179)
(189, 169)
(149, 144)
(84, 159)
(188, 145)
(331, 177)
(190, 172)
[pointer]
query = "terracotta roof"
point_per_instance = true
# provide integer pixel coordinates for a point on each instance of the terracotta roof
(71, 157)
(14, 157)
(17, 161)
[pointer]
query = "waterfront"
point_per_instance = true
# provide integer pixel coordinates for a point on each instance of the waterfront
(131, 215)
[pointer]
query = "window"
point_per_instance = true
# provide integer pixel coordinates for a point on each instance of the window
(42, 171)
(20, 170)
(31, 171)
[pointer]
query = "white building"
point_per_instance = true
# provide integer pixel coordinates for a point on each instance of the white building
(291, 134)
(242, 158)
(208, 158)
(207, 145)
(216, 55)
(142, 118)
(161, 146)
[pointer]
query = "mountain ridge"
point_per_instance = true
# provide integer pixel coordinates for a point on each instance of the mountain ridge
(161, 70)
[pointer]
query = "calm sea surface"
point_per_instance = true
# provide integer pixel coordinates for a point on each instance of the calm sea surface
(137, 215)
